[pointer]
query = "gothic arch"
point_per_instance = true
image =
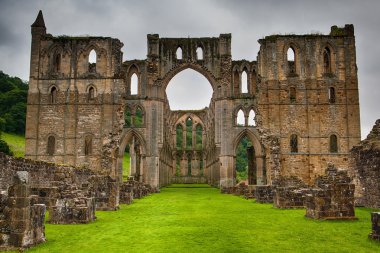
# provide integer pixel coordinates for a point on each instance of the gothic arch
(259, 155)
(254, 138)
(126, 137)
(333, 56)
(189, 65)
(297, 57)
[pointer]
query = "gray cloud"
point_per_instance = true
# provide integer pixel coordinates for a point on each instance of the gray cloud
(247, 20)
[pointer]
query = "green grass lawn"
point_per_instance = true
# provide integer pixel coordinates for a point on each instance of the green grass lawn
(197, 218)
(126, 165)
(15, 142)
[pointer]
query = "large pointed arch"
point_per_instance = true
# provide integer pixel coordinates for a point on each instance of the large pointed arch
(253, 137)
(194, 66)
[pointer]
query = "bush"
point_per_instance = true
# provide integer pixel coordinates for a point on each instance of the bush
(5, 148)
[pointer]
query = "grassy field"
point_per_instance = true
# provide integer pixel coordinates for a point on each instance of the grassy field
(197, 218)
(15, 142)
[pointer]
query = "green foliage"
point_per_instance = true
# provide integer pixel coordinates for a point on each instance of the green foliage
(138, 120)
(197, 218)
(198, 137)
(128, 117)
(13, 95)
(179, 136)
(189, 133)
(5, 148)
(241, 155)
(16, 143)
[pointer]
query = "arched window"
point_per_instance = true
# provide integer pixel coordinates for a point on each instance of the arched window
(53, 95)
(199, 53)
(292, 94)
(91, 93)
(326, 60)
(134, 84)
(139, 117)
(179, 53)
(331, 95)
(128, 117)
(88, 145)
(240, 119)
(294, 143)
(333, 143)
(189, 133)
(57, 63)
(244, 81)
(92, 59)
(51, 145)
(179, 136)
(198, 136)
(251, 118)
(291, 61)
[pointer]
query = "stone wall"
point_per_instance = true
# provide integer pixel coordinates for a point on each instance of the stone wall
(48, 181)
(21, 218)
(132, 189)
(365, 166)
(333, 197)
(289, 192)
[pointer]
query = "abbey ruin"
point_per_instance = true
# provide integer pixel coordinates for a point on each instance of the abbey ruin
(297, 104)
(300, 114)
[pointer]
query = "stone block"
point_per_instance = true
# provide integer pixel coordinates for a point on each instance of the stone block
(375, 219)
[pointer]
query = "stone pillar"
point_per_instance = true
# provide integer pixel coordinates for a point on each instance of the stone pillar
(260, 170)
(26, 221)
(133, 158)
(375, 218)
(226, 171)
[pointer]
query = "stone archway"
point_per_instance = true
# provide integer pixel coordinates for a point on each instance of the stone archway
(257, 169)
(138, 147)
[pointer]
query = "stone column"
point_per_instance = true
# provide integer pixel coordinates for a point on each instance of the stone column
(26, 221)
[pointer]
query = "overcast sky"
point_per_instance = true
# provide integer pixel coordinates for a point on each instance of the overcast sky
(247, 21)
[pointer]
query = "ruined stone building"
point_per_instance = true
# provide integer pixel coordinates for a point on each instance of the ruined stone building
(300, 113)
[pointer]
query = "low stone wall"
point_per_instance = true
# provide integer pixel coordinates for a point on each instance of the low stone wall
(333, 198)
(289, 197)
(21, 219)
(241, 189)
(132, 189)
(264, 193)
(375, 234)
(189, 180)
(366, 167)
(73, 206)
(47, 180)
(106, 192)
(289, 192)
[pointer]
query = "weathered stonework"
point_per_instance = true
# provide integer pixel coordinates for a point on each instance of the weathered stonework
(264, 194)
(365, 167)
(21, 218)
(334, 197)
(289, 192)
(375, 234)
(49, 181)
(73, 206)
